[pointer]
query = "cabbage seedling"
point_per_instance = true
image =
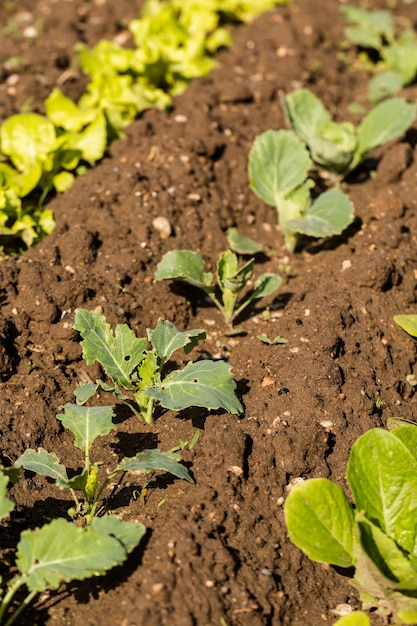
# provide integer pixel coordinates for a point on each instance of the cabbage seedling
(340, 147)
(130, 365)
(61, 551)
(188, 266)
(88, 423)
(278, 166)
(378, 535)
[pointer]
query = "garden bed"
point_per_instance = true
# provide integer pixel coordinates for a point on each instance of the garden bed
(216, 552)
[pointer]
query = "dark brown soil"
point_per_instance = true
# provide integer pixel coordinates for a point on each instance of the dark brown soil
(216, 552)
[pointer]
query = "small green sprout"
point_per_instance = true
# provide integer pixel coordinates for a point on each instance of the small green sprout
(232, 278)
(88, 423)
(132, 366)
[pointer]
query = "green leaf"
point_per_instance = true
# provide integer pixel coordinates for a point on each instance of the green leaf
(357, 618)
(329, 215)
(91, 142)
(166, 339)
(61, 551)
(384, 122)
(6, 505)
(305, 114)
(63, 112)
(205, 384)
(383, 85)
(382, 475)
(407, 323)
(378, 586)
(371, 26)
(87, 423)
(129, 534)
(149, 460)
(119, 354)
(320, 521)
(265, 285)
(43, 463)
(408, 435)
(391, 561)
(229, 275)
(278, 164)
(187, 266)
(27, 138)
(334, 146)
(241, 244)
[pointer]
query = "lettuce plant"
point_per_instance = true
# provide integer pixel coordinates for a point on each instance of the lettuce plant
(189, 267)
(378, 535)
(88, 423)
(340, 147)
(278, 166)
(61, 551)
(131, 365)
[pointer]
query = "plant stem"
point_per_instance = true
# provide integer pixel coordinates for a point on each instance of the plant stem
(21, 608)
(148, 417)
(18, 582)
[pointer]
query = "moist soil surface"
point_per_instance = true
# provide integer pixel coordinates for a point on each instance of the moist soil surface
(216, 552)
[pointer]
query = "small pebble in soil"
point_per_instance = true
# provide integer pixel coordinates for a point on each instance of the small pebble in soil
(265, 571)
(299, 321)
(284, 391)
(341, 610)
(162, 225)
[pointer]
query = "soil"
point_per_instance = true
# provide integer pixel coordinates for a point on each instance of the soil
(216, 551)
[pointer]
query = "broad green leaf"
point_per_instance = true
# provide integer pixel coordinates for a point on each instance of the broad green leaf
(320, 521)
(6, 505)
(384, 122)
(61, 551)
(383, 85)
(278, 164)
(63, 112)
(87, 423)
(401, 59)
(398, 422)
(27, 138)
(265, 285)
(305, 114)
(187, 266)
(376, 583)
(43, 463)
(408, 435)
(92, 140)
(382, 475)
(391, 561)
(149, 460)
(119, 354)
(206, 384)
(129, 534)
(407, 323)
(241, 244)
(166, 339)
(357, 618)
(329, 215)
(371, 26)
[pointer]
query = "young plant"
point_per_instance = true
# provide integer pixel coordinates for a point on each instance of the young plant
(232, 278)
(278, 166)
(130, 365)
(88, 423)
(374, 31)
(61, 551)
(340, 147)
(376, 536)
